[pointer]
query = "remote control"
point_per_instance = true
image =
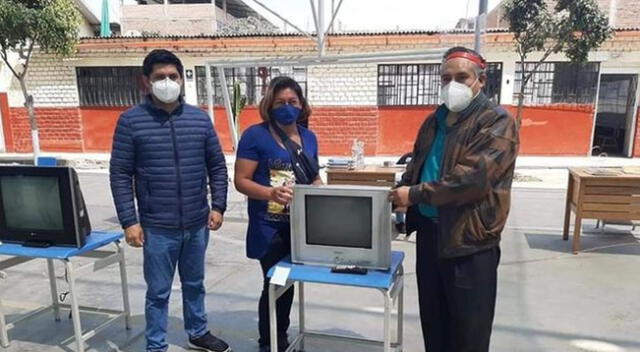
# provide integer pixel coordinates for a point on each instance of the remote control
(349, 269)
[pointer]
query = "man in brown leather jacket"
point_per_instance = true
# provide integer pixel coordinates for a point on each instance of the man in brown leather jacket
(457, 187)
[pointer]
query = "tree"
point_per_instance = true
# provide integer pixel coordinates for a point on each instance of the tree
(51, 26)
(573, 27)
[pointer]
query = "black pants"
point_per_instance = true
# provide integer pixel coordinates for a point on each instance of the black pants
(279, 248)
(457, 296)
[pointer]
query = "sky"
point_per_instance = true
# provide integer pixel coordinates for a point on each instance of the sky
(372, 15)
(378, 14)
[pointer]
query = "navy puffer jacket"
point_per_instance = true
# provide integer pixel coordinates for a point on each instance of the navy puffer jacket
(166, 159)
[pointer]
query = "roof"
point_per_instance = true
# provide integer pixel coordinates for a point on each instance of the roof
(238, 9)
(341, 34)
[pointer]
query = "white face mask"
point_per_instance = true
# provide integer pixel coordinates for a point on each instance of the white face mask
(457, 96)
(166, 90)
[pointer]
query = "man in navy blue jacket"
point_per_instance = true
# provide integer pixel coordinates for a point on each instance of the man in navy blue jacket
(167, 152)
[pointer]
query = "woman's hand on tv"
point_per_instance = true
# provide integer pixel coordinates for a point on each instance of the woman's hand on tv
(134, 235)
(281, 195)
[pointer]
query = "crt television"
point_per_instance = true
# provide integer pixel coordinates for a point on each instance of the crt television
(42, 206)
(336, 225)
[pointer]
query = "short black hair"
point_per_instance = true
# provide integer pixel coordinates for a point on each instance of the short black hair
(160, 56)
(277, 85)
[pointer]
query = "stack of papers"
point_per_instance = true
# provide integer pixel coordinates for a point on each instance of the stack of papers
(340, 163)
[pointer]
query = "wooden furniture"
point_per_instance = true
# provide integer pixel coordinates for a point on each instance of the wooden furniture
(604, 194)
(367, 176)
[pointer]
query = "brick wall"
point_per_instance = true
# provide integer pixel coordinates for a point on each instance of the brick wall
(627, 13)
(636, 145)
(6, 122)
(343, 84)
(336, 128)
(50, 80)
(179, 19)
(60, 129)
(343, 97)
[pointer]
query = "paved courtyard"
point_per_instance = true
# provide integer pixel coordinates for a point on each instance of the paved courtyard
(548, 299)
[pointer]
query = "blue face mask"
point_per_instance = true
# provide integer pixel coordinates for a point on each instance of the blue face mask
(286, 114)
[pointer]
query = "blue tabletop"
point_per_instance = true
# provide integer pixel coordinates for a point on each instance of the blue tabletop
(94, 241)
(323, 275)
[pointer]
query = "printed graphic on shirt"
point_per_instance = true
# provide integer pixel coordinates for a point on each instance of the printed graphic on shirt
(280, 174)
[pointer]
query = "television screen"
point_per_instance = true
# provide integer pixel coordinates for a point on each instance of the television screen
(42, 206)
(339, 221)
(32, 202)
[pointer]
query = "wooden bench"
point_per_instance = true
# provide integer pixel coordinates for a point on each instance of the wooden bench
(603, 194)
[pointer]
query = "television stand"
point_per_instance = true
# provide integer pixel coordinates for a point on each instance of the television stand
(37, 244)
(389, 282)
(75, 268)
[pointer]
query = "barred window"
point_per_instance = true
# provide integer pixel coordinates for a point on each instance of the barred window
(559, 82)
(419, 84)
(253, 81)
(414, 84)
(110, 86)
(493, 86)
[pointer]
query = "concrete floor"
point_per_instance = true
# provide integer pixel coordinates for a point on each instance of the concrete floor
(548, 299)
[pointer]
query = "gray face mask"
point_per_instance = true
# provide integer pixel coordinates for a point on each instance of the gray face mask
(166, 90)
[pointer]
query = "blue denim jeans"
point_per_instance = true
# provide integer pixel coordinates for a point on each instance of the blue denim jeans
(163, 250)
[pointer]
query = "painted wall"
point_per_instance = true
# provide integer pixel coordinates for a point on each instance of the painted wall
(398, 127)
(556, 130)
(99, 124)
(636, 145)
(60, 129)
(336, 128)
(249, 116)
(6, 122)
(546, 130)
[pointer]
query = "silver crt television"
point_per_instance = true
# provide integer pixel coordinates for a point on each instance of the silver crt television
(335, 225)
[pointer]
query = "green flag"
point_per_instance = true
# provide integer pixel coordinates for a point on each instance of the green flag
(105, 28)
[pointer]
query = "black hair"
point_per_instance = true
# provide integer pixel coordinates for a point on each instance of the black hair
(160, 56)
(277, 85)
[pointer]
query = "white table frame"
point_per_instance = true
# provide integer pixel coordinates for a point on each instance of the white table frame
(102, 260)
(393, 295)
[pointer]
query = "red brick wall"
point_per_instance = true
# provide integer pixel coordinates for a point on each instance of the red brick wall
(60, 129)
(546, 130)
(98, 125)
(6, 122)
(636, 142)
(336, 128)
